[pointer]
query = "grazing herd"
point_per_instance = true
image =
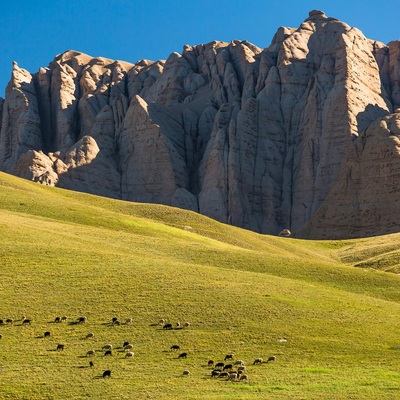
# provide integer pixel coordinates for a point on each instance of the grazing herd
(235, 370)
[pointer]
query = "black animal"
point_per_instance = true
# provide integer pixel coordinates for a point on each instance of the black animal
(1, 336)
(227, 366)
(167, 326)
(271, 359)
(182, 355)
(215, 372)
(108, 353)
(114, 319)
(228, 357)
(9, 321)
(46, 334)
(116, 322)
(223, 374)
(107, 374)
(1, 322)
(91, 364)
(210, 363)
(175, 347)
(219, 365)
(81, 320)
(57, 319)
(60, 347)
(26, 321)
(125, 344)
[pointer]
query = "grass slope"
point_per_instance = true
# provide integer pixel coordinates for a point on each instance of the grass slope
(70, 253)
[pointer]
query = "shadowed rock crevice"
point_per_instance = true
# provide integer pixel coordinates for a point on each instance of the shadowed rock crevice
(266, 139)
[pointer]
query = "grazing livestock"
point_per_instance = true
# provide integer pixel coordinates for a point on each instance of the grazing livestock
(82, 320)
(90, 335)
(57, 319)
(167, 326)
(215, 373)
(90, 353)
(233, 376)
(129, 354)
(1, 336)
(186, 372)
(187, 324)
(26, 321)
(271, 359)
(125, 344)
(116, 322)
(242, 368)
(9, 321)
(128, 347)
(243, 377)
(107, 374)
(60, 347)
(1, 322)
(238, 362)
(91, 364)
(128, 321)
(114, 319)
(219, 365)
(228, 357)
(46, 334)
(210, 363)
(182, 355)
(223, 374)
(108, 353)
(175, 347)
(227, 366)
(178, 324)
(161, 321)
(258, 361)
(282, 340)
(64, 318)
(107, 347)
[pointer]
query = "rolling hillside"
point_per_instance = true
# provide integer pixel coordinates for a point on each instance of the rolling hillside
(73, 254)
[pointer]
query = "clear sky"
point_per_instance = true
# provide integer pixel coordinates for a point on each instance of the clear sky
(33, 32)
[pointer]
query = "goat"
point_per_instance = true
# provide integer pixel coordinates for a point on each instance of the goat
(64, 318)
(178, 324)
(82, 320)
(107, 374)
(161, 321)
(90, 335)
(175, 347)
(271, 359)
(258, 361)
(238, 362)
(232, 376)
(227, 366)
(60, 347)
(243, 377)
(219, 365)
(167, 326)
(107, 347)
(223, 374)
(182, 355)
(9, 321)
(242, 368)
(129, 354)
(117, 323)
(108, 353)
(90, 353)
(228, 357)
(57, 319)
(187, 324)
(1, 322)
(128, 321)
(210, 363)
(128, 347)
(91, 364)
(114, 319)
(186, 372)
(26, 321)
(46, 334)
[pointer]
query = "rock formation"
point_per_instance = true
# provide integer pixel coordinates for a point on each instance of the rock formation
(301, 135)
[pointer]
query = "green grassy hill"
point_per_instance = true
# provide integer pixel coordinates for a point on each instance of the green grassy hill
(73, 254)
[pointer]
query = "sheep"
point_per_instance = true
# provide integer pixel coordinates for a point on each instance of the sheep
(128, 347)
(243, 377)
(128, 321)
(117, 323)
(114, 319)
(108, 353)
(227, 366)
(82, 320)
(219, 365)
(182, 355)
(210, 363)
(107, 374)
(1, 336)
(60, 347)
(282, 340)
(90, 335)
(90, 353)
(26, 321)
(186, 372)
(178, 324)
(232, 376)
(215, 372)
(161, 321)
(223, 374)
(1, 322)
(167, 326)
(228, 357)
(57, 319)
(258, 361)
(46, 334)
(238, 362)
(175, 347)
(187, 324)
(125, 344)
(271, 359)
(107, 347)
(91, 364)
(242, 368)
(64, 318)
(129, 354)
(9, 321)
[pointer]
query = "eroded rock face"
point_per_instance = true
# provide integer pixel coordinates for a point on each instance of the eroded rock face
(258, 138)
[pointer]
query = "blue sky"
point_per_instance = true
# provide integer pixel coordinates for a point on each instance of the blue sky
(34, 32)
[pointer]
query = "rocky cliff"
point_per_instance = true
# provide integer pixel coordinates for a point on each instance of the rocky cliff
(300, 135)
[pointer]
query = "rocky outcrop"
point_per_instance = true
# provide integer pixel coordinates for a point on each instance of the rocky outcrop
(258, 138)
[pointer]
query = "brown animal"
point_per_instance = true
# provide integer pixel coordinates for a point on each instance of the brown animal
(60, 347)
(271, 359)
